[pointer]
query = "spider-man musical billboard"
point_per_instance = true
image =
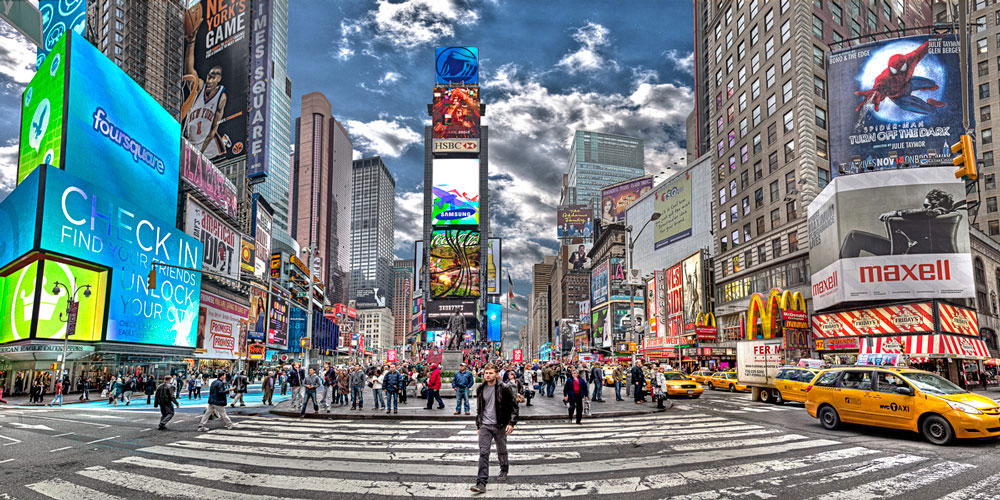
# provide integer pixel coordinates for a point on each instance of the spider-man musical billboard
(890, 235)
(894, 103)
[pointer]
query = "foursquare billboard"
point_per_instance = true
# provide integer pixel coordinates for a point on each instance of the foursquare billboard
(101, 125)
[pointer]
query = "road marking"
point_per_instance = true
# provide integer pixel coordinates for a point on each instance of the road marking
(146, 429)
(901, 483)
(13, 441)
(730, 443)
(63, 434)
(5, 461)
(73, 421)
(65, 490)
(590, 467)
(157, 486)
(982, 490)
(60, 449)
(388, 431)
(102, 439)
(39, 427)
(708, 422)
(373, 455)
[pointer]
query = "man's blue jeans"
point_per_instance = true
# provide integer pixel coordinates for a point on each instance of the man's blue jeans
(310, 394)
(598, 387)
(552, 387)
(462, 394)
(357, 397)
(618, 390)
(392, 399)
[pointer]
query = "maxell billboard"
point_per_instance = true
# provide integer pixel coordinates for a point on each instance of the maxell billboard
(890, 235)
(894, 102)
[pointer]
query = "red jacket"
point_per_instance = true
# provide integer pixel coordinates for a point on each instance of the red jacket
(434, 381)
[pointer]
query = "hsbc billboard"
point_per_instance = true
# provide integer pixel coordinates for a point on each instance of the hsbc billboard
(890, 235)
(456, 145)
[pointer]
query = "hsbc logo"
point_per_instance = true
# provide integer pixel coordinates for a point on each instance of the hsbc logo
(456, 145)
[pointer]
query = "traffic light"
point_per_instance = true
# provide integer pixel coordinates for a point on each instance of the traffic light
(151, 280)
(966, 158)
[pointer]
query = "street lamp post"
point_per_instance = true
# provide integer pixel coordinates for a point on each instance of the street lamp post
(631, 291)
(309, 312)
(72, 305)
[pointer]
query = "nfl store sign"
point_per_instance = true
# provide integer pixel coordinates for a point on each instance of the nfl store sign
(456, 145)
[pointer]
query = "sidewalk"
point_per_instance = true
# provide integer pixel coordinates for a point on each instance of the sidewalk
(542, 408)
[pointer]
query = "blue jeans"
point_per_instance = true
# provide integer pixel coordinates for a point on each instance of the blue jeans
(618, 390)
(377, 396)
(357, 397)
(598, 387)
(462, 394)
(310, 394)
(551, 387)
(393, 401)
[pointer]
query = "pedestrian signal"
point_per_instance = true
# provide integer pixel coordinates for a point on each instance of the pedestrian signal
(151, 281)
(966, 158)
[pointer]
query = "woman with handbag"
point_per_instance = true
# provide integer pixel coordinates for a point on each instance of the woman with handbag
(660, 394)
(515, 385)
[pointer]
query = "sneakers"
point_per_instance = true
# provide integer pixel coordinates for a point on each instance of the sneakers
(502, 478)
(229, 427)
(479, 488)
(203, 429)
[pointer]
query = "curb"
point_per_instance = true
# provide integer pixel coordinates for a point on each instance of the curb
(396, 416)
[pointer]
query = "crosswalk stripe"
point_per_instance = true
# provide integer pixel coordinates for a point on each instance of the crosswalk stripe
(387, 431)
(659, 431)
(373, 455)
(982, 490)
(589, 467)
(736, 443)
(326, 443)
(765, 488)
(424, 424)
(901, 483)
(159, 486)
(65, 490)
(708, 422)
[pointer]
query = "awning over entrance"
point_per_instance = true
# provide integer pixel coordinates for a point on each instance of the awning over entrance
(927, 346)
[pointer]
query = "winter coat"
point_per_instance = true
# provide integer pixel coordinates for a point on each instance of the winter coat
(434, 381)
(217, 393)
(462, 380)
(392, 382)
(164, 397)
(573, 395)
(505, 402)
(357, 379)
(150, 386)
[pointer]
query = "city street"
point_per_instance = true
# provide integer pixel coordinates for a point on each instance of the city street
(719, 446)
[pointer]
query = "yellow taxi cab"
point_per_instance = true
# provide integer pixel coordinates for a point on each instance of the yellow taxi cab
(701, 375)
(679, 384)
(725, 380)
(901, 398)
(791, 382)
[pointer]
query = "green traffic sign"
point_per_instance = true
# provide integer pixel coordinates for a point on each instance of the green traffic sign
(24, 17)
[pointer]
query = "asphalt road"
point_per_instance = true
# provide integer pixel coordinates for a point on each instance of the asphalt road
(719, 446)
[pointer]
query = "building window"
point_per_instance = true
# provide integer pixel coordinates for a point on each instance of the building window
(790, 182)
(984, 90)
(776, 247)
(774, 191)
(772, 104)
(758, 172)
(786, 30)
(819, 87)
(758, 197)
(793, 242)
(744, 179)
(746, 239)
(772, 133)
(789, 121)
(786, 61)
(755, 62)
(746, 205)
(836, 13)
(722, 221)
(791, 210)
(741, 77)
(723, 245)
(819, 58)
(991, 205)
(756, 144)
(769, 20)
(736, 238)
(761, 254)
(743, 128)
(987, 136)
(760, 225)
(769, 77)
(734, 216)
(981, 46)
(772, 161)
(755, 89)
(855, 29)
(756, 115)
(994, 228)
(980, 271)
(741, 51)
(789, 151)
(991, 180)
(786, 92)
(743, 101)
(984, 113)
(824, 177)
(732, 189)
(821, 147)
(820, 118)
(769, 48)
(722, 196)
(984, 68)
(744, 154)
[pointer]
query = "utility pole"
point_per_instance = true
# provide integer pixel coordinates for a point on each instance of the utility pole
(309, 310)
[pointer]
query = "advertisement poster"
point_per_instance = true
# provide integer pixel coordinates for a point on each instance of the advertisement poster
(18, 216)
(575, 221)
(418, 266)
(599, 324)
(261, 86)
(219, 323)
(693, 290)
(261, 236)
(439, 312)
(42, 113)
(578, 259)
(219, 240)
(257, 330)
(893, 101)
(455, 113)
(128, 245)
(890, 235)
(673, 201)
(494, 266)
(18, 295)
(958, 320)
(454, 263)
(651, 306)
(493, 324)
(277, 329)
(370, 298)
(675, 301)
(660, 280)
(618, 284)
(216, 77)
(246, 253)
(599, 284)
(888, 320)
(58, 16)
(198, 172)
(615, 199)
(456, 65)
(456, 191)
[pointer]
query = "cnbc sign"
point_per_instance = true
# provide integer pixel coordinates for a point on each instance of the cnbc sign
(456, 145)
(83, 114)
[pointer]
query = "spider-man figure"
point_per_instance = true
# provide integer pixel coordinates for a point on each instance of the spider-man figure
(897, 82)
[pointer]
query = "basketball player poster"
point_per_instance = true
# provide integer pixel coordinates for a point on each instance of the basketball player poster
(216, 76)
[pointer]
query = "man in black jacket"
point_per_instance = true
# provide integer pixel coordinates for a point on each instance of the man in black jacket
(240, 386)
(217, 403)
(164, 399)
(574, 392)
(496, 416)
(638, 383)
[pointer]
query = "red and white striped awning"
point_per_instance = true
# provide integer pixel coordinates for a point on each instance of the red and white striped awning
(927, 346)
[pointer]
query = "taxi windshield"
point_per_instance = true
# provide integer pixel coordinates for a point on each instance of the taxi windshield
(933, 384)
(675, 376)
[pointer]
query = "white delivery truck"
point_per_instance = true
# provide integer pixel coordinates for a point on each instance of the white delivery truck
(757, 364)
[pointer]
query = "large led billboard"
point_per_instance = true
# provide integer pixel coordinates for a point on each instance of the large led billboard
(890, 235)
(616, 198)
(455, 263)
(59, 16)
(216, 77)
(23, 303)
(456, 65)
(418, 266)
(17, 220)
(673, 202)
(220, 322)
(693, 289)
(84, 221)
(894, 102)
(42, 113)
(599, 284)
(198, 172)
(257, 330)
(456, 191)
(262, 217)
(455, 113)
(277, 330)
(575, 221)
(494, 314)
(261, 86)
(220, 241)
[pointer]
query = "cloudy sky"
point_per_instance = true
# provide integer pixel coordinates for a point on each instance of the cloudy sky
(548, 68)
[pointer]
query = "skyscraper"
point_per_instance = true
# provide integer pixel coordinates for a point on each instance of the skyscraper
(373, 213)
(146, 41)
(761, 108)
(277, 185)
(321, 180)
(402, 299)
(597, 160)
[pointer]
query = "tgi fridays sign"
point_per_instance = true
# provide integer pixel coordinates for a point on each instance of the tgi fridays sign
(909, 318)
(220, 240)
